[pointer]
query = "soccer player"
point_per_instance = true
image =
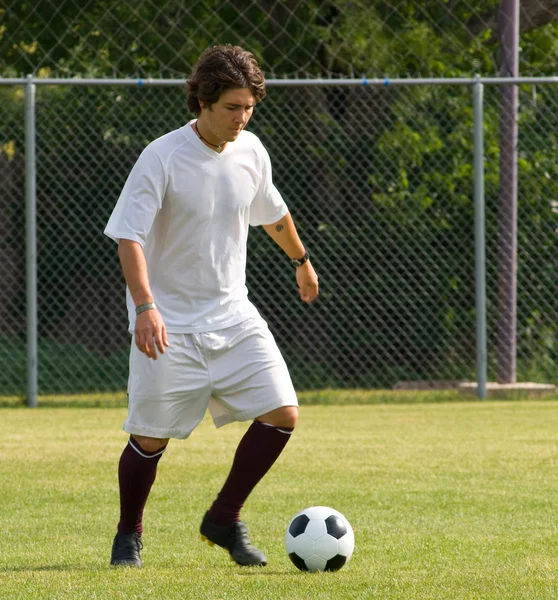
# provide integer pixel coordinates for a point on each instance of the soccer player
(181, 224)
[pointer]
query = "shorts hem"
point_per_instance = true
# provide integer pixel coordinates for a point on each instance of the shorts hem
(252, 413)
(152, 432)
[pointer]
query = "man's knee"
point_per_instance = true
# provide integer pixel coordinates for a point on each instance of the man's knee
(150, 444)
(286, 416)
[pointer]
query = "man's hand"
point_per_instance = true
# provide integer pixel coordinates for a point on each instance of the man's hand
(307, 282)
(151, 333)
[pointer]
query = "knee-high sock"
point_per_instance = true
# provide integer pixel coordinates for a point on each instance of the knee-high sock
(136, 473)
(257, 451)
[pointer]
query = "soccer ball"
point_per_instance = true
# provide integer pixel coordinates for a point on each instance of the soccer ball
(319, 539)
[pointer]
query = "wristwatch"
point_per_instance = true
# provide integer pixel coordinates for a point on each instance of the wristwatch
(297, 262)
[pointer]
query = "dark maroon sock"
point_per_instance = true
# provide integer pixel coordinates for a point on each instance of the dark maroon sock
(136, 473)
(257, 451)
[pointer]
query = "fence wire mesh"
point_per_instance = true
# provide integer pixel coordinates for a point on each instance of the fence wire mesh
(12, 247)
(379, 181)
(92, 38)
(380, 185)
(537, 234)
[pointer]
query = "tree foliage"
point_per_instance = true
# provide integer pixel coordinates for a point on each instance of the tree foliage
(366, 169)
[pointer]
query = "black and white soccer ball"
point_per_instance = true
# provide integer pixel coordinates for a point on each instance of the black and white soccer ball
(319, 539)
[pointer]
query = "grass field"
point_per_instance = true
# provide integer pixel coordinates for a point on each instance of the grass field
(337, 397)
(448, 500)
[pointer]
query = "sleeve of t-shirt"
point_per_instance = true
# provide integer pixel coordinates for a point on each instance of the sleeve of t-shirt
(140, 200)
(268, 205)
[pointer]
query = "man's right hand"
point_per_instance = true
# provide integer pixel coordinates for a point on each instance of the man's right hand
(151, 333)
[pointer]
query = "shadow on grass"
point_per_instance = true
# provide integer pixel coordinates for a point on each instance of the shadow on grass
(252, 571)
(47, 568)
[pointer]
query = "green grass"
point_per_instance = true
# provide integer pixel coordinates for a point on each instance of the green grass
(448, 501)
(337, 397)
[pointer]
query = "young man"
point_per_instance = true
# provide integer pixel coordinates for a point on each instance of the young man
(181, 224)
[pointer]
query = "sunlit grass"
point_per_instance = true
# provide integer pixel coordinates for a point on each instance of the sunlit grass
(308, 397)
(448, 500)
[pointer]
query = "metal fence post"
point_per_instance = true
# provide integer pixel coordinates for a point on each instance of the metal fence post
(31, 243)
(480, 261)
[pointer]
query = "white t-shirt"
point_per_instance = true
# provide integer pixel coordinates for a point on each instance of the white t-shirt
(190, 208)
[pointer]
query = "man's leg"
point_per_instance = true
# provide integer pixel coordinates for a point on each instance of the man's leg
(257, 451)
(137, 470)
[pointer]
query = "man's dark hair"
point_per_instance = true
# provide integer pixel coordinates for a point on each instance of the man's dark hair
(223, 68)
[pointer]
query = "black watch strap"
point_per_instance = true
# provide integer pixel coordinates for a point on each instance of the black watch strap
(297, 262)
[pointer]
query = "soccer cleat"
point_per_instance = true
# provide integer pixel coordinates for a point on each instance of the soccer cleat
(233, 538)
(126, 550)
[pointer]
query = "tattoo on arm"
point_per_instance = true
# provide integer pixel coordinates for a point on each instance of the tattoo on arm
(279, 228)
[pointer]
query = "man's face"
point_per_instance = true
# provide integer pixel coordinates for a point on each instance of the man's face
(229, 115)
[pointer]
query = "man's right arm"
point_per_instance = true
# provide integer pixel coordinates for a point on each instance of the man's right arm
(150, 332)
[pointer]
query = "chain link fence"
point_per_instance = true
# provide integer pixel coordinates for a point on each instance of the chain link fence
(305, 38)
(537, 234)
(13, 370)
(379, 181)
(291, 37)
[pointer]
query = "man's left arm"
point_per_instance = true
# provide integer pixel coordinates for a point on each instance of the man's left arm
(284, 234)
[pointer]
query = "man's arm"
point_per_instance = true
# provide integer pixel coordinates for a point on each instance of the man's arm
(150, 331)
(284, 234)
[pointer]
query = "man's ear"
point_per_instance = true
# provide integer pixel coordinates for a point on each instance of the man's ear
(205, 105)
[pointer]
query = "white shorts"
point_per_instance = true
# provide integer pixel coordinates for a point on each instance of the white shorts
(237, 372)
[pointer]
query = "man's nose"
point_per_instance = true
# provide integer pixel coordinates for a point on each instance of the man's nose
(241, 117)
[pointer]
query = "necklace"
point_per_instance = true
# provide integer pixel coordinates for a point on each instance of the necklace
(217, 147)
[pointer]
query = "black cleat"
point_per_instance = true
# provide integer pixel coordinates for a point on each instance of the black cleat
(126, 550)
(233, 538)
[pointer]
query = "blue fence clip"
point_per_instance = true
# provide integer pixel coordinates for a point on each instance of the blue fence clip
(140, 82)
(386, 82)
